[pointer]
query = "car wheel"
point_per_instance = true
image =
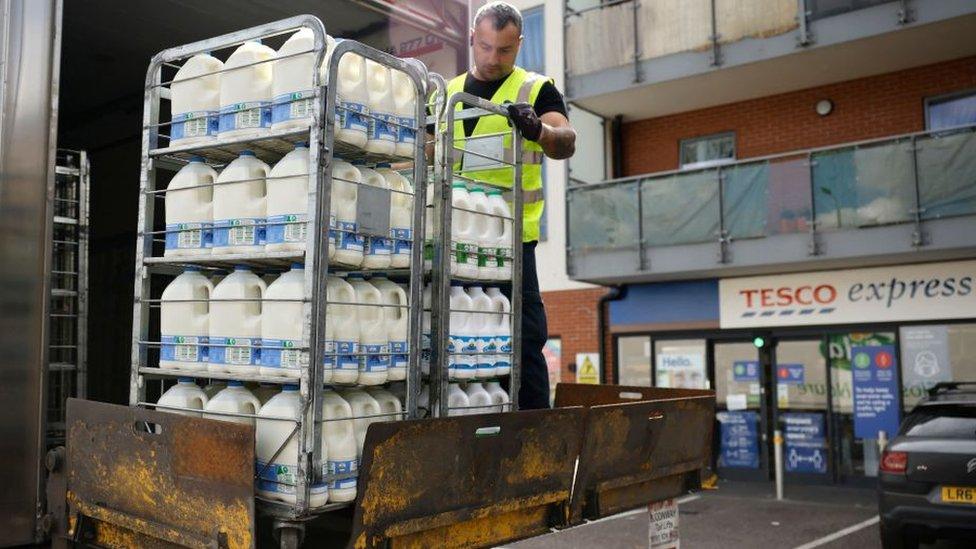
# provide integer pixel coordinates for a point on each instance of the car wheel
(894, 538)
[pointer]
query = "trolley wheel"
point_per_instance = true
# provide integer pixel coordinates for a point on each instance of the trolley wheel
(289, 537)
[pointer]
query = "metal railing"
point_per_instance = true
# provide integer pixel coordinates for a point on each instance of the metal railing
(902, 179)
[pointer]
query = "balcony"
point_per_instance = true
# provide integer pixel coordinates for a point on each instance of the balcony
(647, 58)
(903, 198)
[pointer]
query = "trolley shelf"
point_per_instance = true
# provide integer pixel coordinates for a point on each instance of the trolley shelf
(57, 292)
(257, 378)
(224, 261)
(269, 146)
(356, 155)
(65, 220)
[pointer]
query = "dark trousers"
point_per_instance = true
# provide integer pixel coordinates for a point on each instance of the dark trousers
(534, 389)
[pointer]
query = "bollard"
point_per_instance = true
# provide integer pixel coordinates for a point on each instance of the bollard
(882, 441)
(778, 456)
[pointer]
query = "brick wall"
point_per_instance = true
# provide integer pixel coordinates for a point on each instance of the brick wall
(865, 108)
(572, 317)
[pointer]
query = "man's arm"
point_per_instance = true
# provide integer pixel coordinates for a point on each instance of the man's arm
(558, 138)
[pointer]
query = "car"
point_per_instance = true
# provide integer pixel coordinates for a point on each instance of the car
(927, 477)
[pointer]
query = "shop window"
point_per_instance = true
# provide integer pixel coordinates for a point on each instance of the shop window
(951, 111)
(707, 151)
(634, 360)
(681, 364)
(934, 353)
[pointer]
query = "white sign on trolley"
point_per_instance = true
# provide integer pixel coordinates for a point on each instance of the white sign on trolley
(926, 291)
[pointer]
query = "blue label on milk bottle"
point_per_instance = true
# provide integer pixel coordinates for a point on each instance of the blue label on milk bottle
(402, 240)
(376, 357)
(242, 231)
(288, 228)
(282, 353)
(349, 116)
(347, 468)
(398, 354)
(347, 237)
(406, 132)
(292, 106)
(243, 116)
(188, 236)
(193, 124)
(380, 127)
(347, 358)
(180, 348)
(235, 351)
(378, 246)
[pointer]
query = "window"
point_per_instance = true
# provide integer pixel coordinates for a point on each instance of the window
(634, 361)
(934, 353)
(531, 57)
(942, 422)
(680, 364)
(951, 111)
(710, 150)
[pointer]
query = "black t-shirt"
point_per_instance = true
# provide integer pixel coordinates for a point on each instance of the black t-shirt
(548, 100)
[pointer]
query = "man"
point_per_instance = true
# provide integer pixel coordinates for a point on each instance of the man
(537, 110)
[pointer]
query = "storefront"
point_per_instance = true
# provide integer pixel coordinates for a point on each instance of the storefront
(831, 358)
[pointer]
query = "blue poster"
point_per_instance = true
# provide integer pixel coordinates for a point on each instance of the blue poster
(740, 439)
(806, 448)
(874, 371)
(745, 370)
(790, 373)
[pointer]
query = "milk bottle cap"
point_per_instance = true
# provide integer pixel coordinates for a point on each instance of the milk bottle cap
(477, 190)
(290, 387)
(191, 269)
(383, 165)
(297, 266)
(301, 145)
(196, 158)
(235, 383)
(459, 186)
(184, 380)
(457, 283)
(247, 153)
(355, 276)
(493, 192)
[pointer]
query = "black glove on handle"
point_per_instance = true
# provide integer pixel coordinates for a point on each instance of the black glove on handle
(523, 116)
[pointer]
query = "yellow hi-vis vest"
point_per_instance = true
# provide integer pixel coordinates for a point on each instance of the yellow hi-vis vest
(520, 86)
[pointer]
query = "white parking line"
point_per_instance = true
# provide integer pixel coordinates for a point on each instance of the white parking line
(839, 534)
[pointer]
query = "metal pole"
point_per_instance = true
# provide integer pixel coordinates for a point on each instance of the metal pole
(882, 441)
(778, 456)
(637, 51)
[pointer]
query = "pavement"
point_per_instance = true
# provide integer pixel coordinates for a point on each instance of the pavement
(747, 515)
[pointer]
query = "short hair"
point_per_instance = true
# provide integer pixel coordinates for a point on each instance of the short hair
(501, 14)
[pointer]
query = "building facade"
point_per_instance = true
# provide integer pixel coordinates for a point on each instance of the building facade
(787, 214)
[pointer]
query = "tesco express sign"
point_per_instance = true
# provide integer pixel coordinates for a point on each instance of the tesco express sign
(929, 291)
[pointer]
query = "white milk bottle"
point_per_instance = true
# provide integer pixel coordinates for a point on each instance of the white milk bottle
(189, 210)
(234, 399)
(423, 402)
(481, 231)
(239, 209)
(342, 331)
(282, 311)
(464, 260)
(478, 396)
(503, 254)
(401, 216)
(235, 323)
(463, 340)
(195, 100)
(292, 90)
(339, 435)
(502, 330)
(287, 202)
(347, 247)
(185, 394)
(184, 322)
(382, 135)
(215, 386)
(264, 392)
(374, 343)
(481, 325)
(352, 99)
(389, 403)
(457, 401)
(405, 104)
(277, 480)
(245, 91)
(498, 396)
(365, 410)
(378, 248)
(395, 314)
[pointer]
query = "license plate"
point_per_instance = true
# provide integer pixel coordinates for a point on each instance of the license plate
(959, 494)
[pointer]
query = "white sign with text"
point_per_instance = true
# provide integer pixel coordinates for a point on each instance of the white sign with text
(925, 291)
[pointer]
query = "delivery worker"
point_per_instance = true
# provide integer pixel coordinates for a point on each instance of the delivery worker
(538, 112)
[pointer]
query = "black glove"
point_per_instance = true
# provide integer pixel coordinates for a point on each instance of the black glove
(523, 116)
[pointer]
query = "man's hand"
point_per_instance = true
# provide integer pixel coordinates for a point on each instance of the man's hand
(525, 120)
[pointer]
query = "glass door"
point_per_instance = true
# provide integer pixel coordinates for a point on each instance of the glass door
(801, 407)
(740, 412)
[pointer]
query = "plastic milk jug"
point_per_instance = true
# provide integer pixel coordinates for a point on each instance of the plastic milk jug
(405, 104)
(195, 100)
(343, 230)
(287, 202)
(382, 133)
(341, 331)
(478, 396)
(481, 231)
(352, 98)
(185, 394)
(215, 386)
(245, 91)
(464, 260)
(395, 314)
(189, 210)
(339, 435)
(264, 392)
(239, 209)
(462, 341)
(277, 479)
(234, 399)
(376, 255)
(401, 216)
(363, 406)
(423, 402)
(503, 234)
(235, 323)
(389, 403)
(480, 323)
(183, 323)
(292, 89)
(282, 312)
(457, 401)
(374, 343)
(502, 329)
(498, 395)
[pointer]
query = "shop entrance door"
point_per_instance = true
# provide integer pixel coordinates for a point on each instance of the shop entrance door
(741, 411)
